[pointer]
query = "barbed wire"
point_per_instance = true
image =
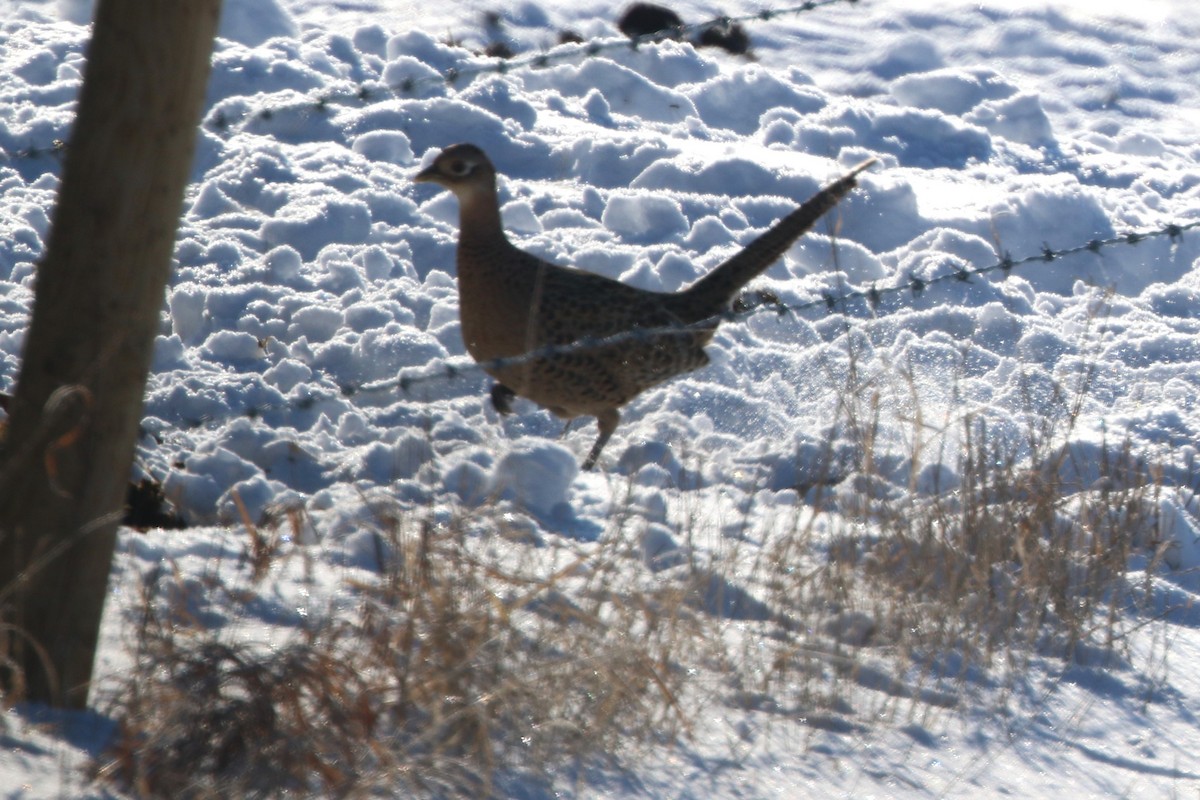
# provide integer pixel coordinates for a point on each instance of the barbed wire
(1006, 264)
(378, 91)
(562, 53)
(827, 302)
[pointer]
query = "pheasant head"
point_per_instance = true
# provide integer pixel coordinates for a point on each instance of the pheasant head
(465, 170)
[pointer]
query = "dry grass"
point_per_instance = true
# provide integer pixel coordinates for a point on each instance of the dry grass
(454, 666)
(921, 595)
(464, 662)
(480, 651)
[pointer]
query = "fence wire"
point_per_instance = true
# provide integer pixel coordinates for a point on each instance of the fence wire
(826, 304)
(563, 53)
(828, 301)
(368, 92)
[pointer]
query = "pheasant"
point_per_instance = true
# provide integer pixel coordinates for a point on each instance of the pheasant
(513, 303)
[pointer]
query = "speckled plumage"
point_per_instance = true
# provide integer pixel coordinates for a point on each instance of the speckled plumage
(512, 302)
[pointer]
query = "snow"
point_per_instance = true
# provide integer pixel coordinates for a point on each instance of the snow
(312, 275)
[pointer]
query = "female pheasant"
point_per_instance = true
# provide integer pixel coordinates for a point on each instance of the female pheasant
(513, 303)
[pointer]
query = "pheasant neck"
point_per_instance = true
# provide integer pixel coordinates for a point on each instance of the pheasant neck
(479, 219)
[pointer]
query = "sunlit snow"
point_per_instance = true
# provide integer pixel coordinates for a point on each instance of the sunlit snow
(312, 273)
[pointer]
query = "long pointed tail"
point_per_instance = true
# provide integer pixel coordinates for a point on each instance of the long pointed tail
(711, 294)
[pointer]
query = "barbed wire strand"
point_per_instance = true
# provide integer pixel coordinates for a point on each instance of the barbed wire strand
(828, 303)
(371, 92)
(563, 53)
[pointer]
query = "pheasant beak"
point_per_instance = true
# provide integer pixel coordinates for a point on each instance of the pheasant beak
(430, 174)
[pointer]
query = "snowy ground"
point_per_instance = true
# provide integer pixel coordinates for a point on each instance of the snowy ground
(309, 262)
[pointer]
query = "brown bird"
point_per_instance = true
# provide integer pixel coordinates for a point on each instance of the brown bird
(513, 303)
